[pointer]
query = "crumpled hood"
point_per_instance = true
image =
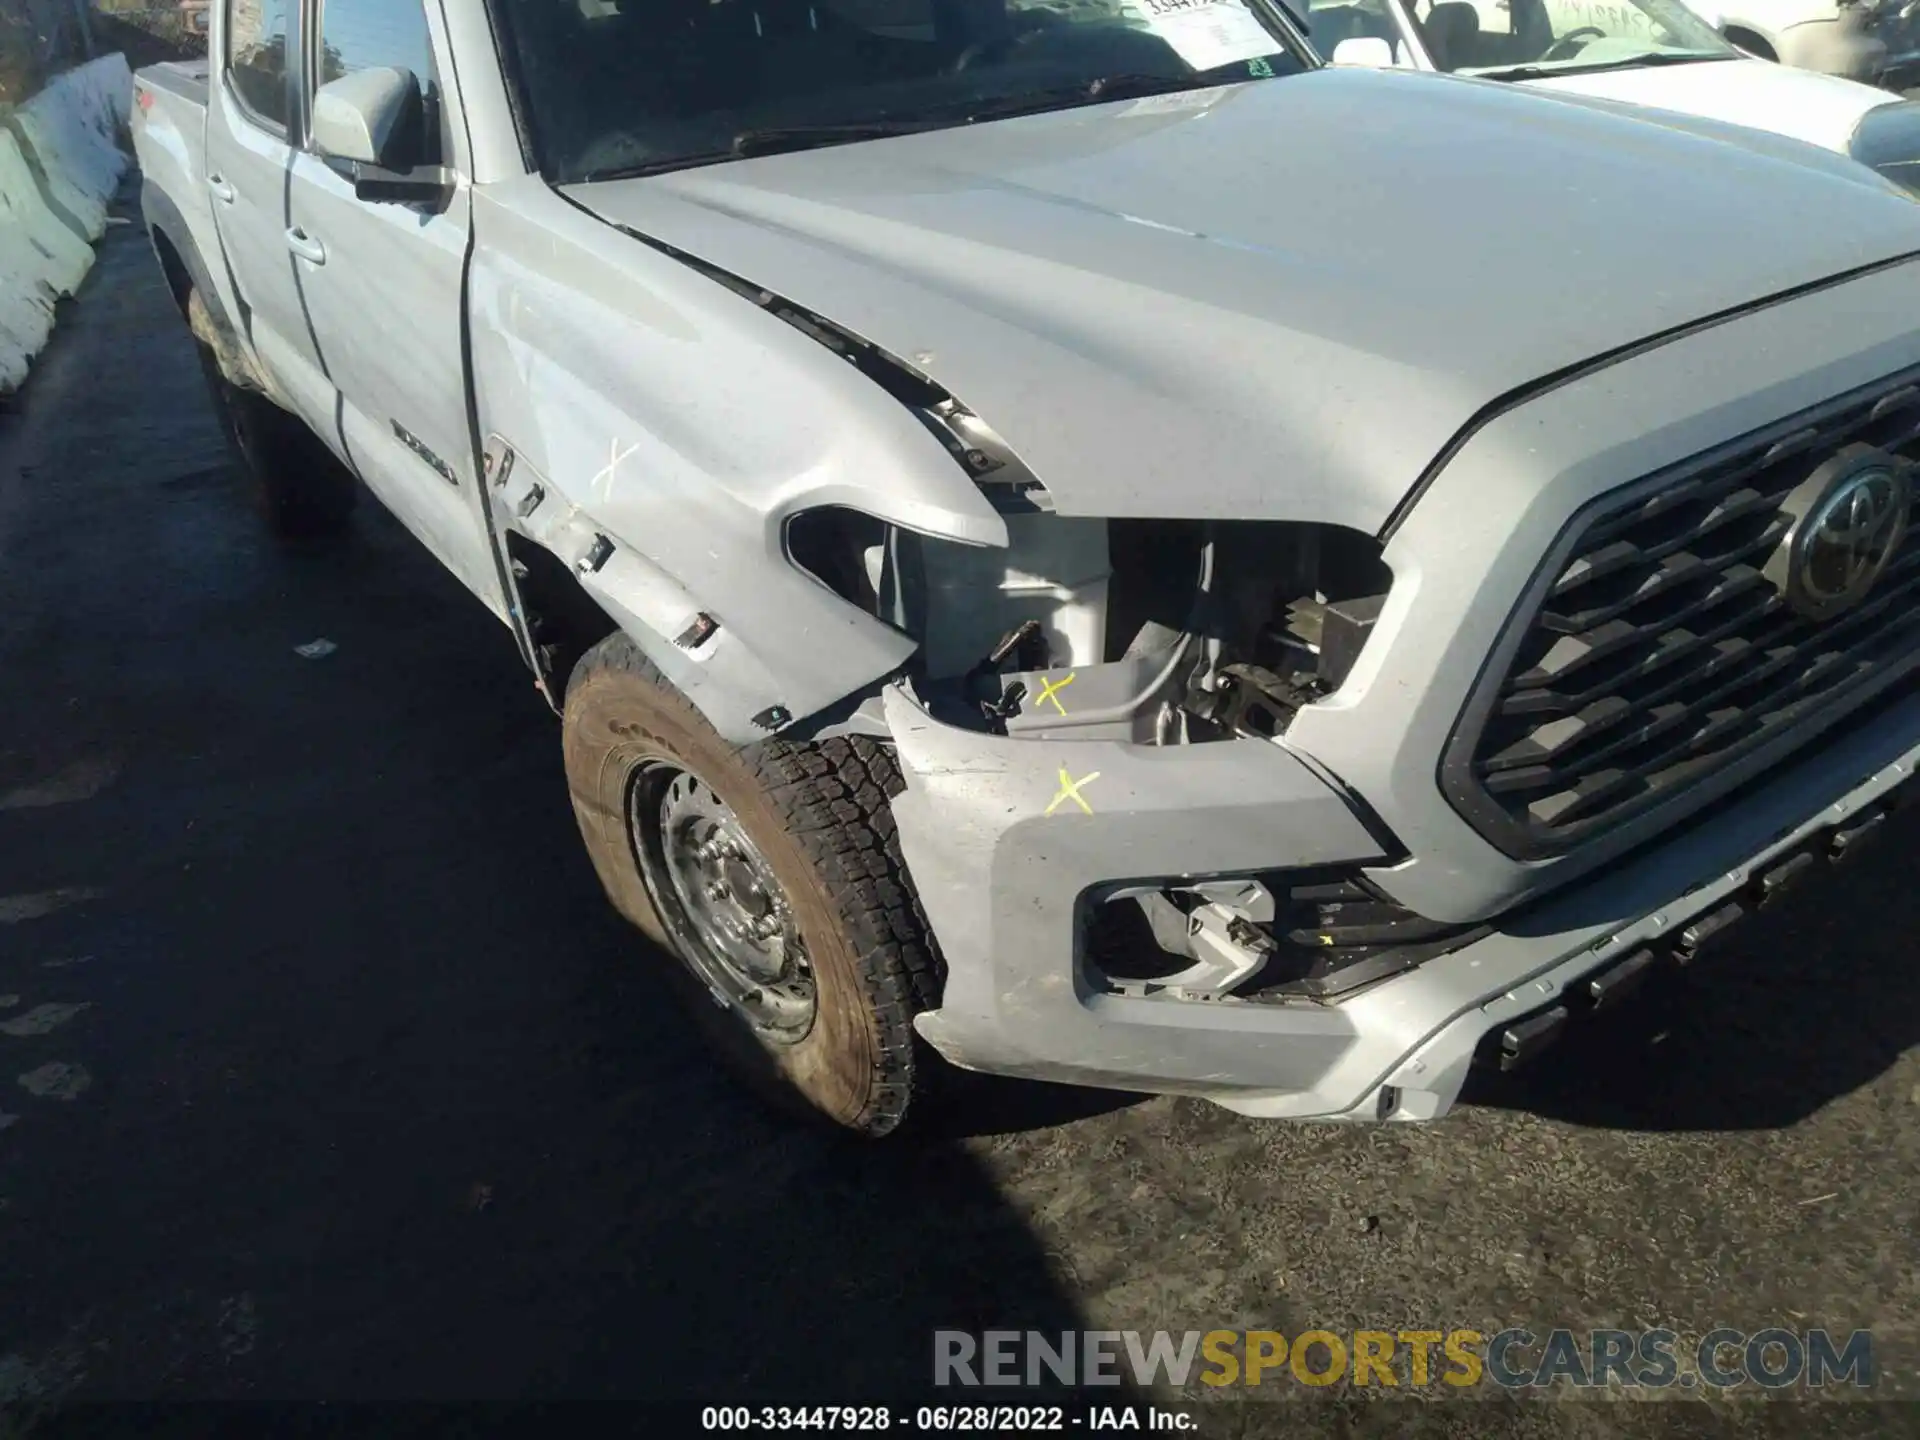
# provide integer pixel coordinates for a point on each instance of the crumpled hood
(1279, 300)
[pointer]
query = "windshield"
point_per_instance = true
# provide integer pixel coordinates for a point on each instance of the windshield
(624, 87)
(1523, 39)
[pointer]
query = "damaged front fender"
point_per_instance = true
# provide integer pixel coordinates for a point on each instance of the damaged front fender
(734, 677)
(664, 431)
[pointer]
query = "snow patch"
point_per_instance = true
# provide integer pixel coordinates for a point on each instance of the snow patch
(60, 164)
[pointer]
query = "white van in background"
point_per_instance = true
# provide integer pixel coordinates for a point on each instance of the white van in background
(1645, 52)
(1873, 40)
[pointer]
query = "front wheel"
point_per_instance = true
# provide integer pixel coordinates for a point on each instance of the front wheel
(772, 875)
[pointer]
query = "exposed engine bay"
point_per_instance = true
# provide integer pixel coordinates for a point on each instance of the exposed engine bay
(1167, 632)
(1159, 633)
(1170, 631)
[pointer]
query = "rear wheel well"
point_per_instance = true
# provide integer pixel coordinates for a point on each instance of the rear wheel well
(563, 621)
(1750, 41)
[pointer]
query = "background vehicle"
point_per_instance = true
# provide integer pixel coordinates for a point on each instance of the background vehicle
(1645, 52)
(1035, 523)
(1877, 41)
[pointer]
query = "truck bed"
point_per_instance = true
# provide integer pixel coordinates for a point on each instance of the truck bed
(170, 103)
(186, 79)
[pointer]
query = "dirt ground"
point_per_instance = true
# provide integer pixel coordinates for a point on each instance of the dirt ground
(326, 1073)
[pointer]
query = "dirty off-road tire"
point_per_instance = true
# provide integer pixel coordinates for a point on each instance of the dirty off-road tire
(784, 854)
(305, 493)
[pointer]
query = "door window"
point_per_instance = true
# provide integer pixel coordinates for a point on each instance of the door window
(257, 58)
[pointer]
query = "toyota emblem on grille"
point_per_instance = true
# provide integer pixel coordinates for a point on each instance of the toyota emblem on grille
(1846, 520)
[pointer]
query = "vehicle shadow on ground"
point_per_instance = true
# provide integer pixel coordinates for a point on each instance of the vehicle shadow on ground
(978, 1105)
(1810, 1000)
(372, 1096)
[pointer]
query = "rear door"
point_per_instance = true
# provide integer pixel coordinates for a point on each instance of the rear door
(383, 283)
(251, 122)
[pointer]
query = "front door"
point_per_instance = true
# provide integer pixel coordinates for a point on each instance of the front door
(250, 127)
(383, 284)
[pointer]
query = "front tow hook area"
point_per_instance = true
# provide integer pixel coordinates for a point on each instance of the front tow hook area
(1518, 1043)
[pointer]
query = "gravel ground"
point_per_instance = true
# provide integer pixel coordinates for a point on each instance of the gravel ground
(337, 1079)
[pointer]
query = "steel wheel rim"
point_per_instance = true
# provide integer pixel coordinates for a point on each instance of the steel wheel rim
(720, 899)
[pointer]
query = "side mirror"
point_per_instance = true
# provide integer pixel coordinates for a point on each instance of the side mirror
(371, 117)
(374, 122)
(1366, 50)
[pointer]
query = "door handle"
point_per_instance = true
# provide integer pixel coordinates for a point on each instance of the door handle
(306, 247)
(222, 191)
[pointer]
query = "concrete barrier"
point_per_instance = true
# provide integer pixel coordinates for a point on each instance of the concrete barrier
(60, 164)
(40, 260)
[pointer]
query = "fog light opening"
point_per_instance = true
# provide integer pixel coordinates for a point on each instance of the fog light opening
(1273, 936)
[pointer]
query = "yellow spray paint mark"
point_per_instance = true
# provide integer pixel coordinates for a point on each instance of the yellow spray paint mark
(1051, 691)
(1070, 790)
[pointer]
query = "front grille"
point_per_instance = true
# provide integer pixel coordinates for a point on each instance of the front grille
(1657, 651)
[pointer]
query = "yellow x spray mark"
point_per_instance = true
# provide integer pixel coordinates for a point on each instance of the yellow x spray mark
(1051, 691)
(1070, 790)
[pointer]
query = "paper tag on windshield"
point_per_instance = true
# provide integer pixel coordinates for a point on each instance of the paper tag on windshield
(1207, 33)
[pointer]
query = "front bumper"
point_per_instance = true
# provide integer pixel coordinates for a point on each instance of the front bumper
(1012, 840)
(1004, 884)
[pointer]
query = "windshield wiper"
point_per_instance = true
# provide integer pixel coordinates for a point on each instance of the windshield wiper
(1631, 62)
(1087, 92)
(772, 139)
(784, 139)
(768, 140)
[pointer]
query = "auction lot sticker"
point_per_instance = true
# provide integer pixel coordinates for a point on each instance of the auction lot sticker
(1207, 33)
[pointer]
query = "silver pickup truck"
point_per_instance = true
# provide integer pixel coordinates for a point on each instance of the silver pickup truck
(1078, 537)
